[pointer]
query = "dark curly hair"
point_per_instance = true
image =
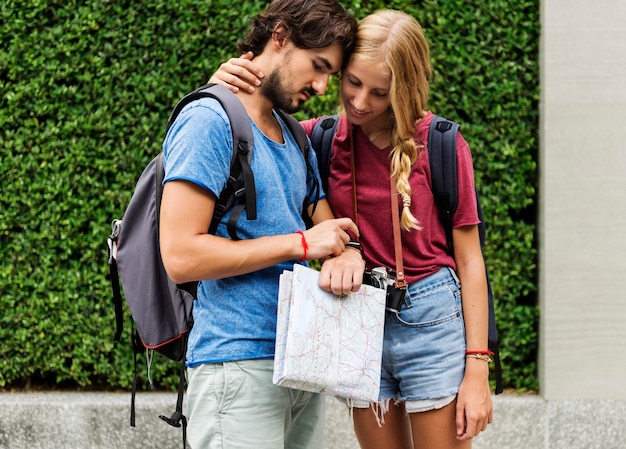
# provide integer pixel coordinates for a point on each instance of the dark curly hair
(309, 24)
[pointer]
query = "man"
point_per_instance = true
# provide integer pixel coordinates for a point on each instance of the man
(232, 402)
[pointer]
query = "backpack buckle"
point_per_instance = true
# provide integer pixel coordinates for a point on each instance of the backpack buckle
(173, 420)
(116, 227)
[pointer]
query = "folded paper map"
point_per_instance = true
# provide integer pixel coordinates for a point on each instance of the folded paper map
(327, 343)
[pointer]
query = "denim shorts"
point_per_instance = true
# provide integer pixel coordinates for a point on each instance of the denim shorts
(424, 345)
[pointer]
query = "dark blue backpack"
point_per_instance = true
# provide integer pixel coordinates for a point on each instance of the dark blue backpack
(442, 156)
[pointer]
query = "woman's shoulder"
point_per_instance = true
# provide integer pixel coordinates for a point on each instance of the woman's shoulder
(327, 122)
(422, 127)
(422, 130)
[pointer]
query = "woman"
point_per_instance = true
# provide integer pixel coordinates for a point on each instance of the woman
(434, 384)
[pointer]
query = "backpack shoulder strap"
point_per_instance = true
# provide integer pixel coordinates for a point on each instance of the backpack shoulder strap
(240, 184)
(322, 142)
(303, 142)
(443, 170)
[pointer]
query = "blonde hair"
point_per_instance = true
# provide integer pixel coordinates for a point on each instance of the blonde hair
(397, 41)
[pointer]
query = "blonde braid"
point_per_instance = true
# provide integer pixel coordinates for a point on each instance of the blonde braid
(403, 157)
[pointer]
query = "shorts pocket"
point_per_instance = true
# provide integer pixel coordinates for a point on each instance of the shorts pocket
(433, 307)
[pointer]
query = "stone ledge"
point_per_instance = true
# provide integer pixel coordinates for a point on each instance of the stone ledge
(101, 421)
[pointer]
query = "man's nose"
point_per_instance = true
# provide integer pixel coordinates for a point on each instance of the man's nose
(319, 84)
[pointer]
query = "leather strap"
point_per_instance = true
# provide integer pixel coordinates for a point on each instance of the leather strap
(397, 238)
(353, 170)
(395, 215)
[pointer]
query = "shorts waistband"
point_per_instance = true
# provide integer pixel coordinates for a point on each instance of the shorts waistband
(442, 277)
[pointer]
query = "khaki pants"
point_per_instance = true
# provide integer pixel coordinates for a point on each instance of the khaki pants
(235, 405)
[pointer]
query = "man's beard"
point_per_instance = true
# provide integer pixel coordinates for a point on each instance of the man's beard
(274, 90)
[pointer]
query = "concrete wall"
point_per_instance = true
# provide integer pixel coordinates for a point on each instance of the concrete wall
(101, 421)
(583, 199)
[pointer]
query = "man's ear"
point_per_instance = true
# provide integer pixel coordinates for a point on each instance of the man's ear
(279, 36)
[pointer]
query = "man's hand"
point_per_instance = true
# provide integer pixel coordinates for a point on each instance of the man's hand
(329, 238)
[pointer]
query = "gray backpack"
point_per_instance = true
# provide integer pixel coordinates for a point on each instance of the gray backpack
(162, 310)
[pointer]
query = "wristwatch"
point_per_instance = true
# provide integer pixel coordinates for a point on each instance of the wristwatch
(355, 245)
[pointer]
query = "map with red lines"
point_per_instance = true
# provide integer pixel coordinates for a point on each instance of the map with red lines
(326, 343)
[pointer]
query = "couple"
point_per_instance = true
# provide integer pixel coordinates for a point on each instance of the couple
(431, 394)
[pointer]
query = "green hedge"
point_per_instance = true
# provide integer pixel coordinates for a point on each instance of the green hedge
(86, 89)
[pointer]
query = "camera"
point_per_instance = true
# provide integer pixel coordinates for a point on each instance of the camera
(381, 277)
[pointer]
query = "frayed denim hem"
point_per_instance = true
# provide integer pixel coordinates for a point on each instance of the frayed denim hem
(379, 408)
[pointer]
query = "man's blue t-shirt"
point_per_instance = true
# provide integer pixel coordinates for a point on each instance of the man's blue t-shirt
(235, 318)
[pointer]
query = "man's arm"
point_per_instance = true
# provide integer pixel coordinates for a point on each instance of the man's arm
(189, 253)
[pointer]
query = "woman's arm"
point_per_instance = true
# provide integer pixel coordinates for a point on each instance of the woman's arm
(474, 404)
(238, 74)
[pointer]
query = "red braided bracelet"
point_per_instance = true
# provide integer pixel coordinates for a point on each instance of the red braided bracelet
(483, 352)
(304, 245)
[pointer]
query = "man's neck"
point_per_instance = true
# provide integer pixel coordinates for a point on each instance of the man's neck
(260, 110)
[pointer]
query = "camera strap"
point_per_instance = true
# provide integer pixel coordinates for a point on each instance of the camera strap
(395, 215)
(397, 238)
(353, 174)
